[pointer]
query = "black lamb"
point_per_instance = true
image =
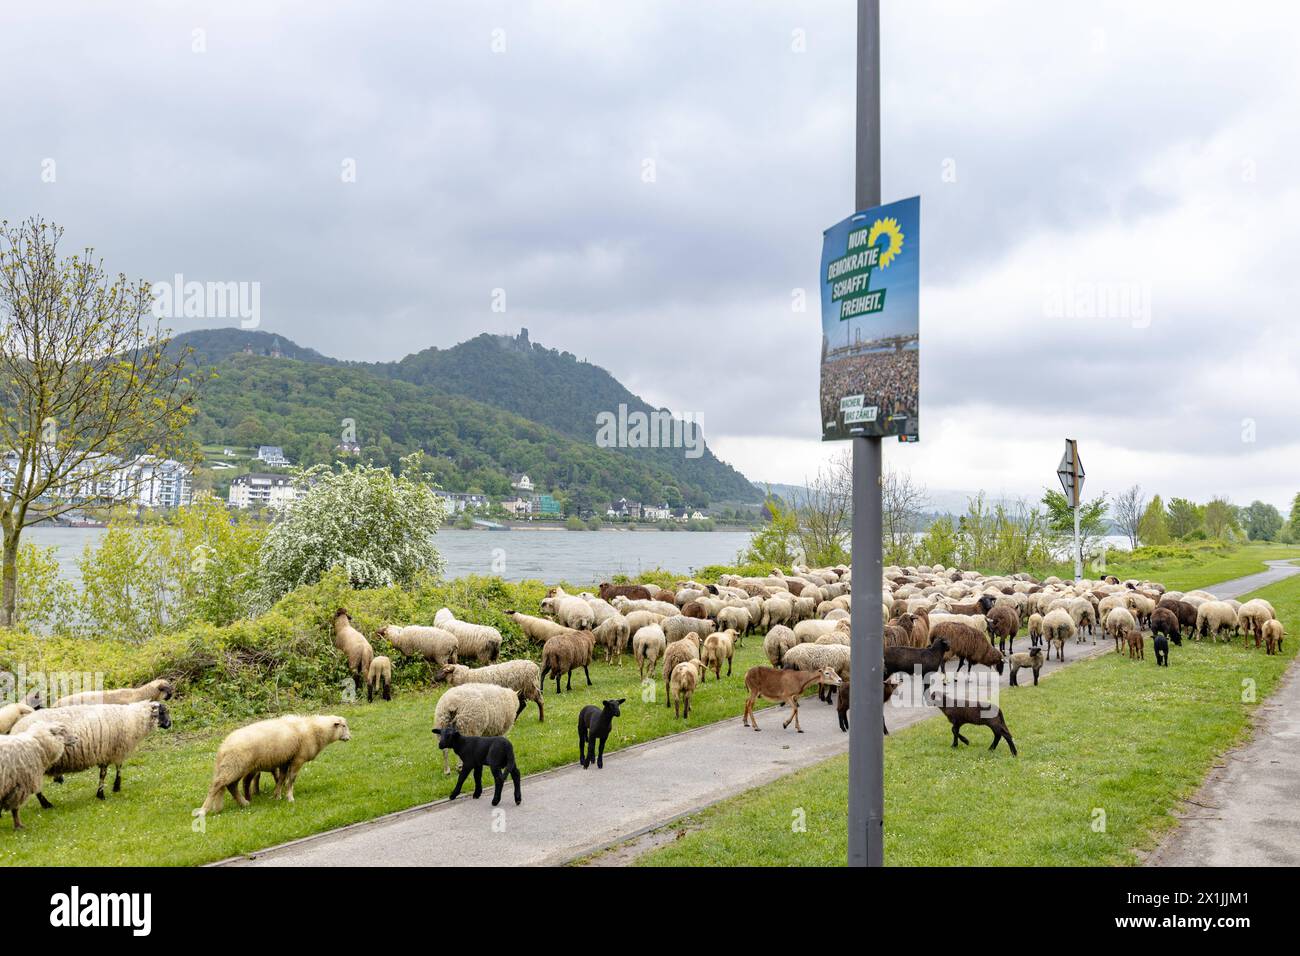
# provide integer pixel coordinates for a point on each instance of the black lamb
(907, 659)
(1161, 645)
(594, 724)
(496, 752)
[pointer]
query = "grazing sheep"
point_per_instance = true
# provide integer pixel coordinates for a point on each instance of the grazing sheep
(983, 714)
(968, 645)
(639, 619)
(1214, 618)
(636, 592)
(354, 644)
(776, 610)
(106, 734)
(1032, 658)
(612, 634)
(808, 631)
(1118, 623)
(473, 753)
(281, 745)
(10, 714)
(24, 760)
(778, 640)
(1140, 606)
(678, 626)
(599, 607)
(717, 648)
(815, 657)
(1273, 635)
(1160, 644)
(1035, 627)
(1165, 621)
(594, 725)
(537, 629)
(1084, 615)
(522, 676)
(473, 641)
(893, 635)
(1004, 624)
(476, 710)
(687, 649)
(432, 643)
(978, 621)
(1251, 618)
(694, 609)
(159, 689)
(785, 686)
(735, 619)
(565, 653)
(647, 647)
(681, 686)
(380, 676)
(1136, 646)
(570, 610)
(626, 606)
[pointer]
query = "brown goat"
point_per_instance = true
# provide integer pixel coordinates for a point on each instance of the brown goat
(784, 686)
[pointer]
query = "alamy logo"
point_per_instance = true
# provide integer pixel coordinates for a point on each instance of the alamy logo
(657, 429)
(134, 910)
(180, 299)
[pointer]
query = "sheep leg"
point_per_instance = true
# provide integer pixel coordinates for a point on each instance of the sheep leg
(18, 824)
(588, 673)
(582, 748)
(514, 776)
(541, 716)
(499, 776)
(460, 782)
(600, 758)
(728, 666)
(117, 778)
(478, 781)
(523, 702)
(103, 772)
(45, 804)
(568, 684)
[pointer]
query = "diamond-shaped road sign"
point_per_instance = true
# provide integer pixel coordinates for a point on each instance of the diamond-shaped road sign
(1070, 469)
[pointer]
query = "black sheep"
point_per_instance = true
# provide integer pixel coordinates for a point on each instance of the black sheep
(594, 724)
(1161, 645)
(907, 659)
(986, 715)
(496, 752)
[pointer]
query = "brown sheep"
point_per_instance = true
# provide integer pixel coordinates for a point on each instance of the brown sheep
(694, 609)
(918, 625)
(1136, 647)
(686, 649)
(635, 592)
(354, 644)
(565, 653)
(1004, 623)
(968, 645)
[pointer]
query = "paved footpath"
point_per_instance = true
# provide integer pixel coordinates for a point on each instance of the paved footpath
(570, 812)
(1247, 813)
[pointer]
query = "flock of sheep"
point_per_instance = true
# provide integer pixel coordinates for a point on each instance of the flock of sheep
(931, 615)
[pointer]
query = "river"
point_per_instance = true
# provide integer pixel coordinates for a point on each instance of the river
(579, 557)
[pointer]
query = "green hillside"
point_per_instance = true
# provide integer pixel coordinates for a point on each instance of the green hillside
(485, 408)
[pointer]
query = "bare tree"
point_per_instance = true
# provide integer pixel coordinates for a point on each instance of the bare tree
(901, 504)
(88, 389)
(826, 514)
(1129, 507)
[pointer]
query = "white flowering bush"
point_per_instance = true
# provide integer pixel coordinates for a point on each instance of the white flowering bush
(376, 526)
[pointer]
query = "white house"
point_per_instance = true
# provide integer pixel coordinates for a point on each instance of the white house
(657, 512)
(260, 490)
(272, 456)
(145, 481)
(517, 506)
(521, 482)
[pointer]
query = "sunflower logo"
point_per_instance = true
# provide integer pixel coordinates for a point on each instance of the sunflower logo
(889, 229)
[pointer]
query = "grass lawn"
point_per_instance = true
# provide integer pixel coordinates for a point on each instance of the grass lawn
(1108, 736)
(391, 763)
(1190, 570)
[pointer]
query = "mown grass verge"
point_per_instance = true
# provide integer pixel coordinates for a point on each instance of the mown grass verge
(1107, 748)
(1187, 567)
(391, 763)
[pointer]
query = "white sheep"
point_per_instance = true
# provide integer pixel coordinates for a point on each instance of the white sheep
(281, 746)
(524, 677)
(648, 646)
(1118, 623)
(380, 677)
(478, 642)
(106, 734)
(432, 643)
(807, 632)
(1058, 627)
(537, 629)
(612, 634)
(778, 640)
(736, 619)
(10, 714)
(679, 625)
(569, 610)
(1215, 617)
(159, 689)
(681, 686)
(476, 710)
(1253, 615)
(354, 644)
(718, 648)
(813, 657)
(24, 759)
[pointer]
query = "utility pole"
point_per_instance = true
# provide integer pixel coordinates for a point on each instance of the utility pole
(866, 732)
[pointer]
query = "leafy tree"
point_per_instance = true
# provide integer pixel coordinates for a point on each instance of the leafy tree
(1129, 506)
(939, 544)
(379, 528)
(88, 388)
(1220, 518)
(1092, 519)
(1262, 521)
(1154, 527)
(774, 543)
(1184, 517)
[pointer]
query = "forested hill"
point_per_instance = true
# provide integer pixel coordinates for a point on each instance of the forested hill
(300, 403)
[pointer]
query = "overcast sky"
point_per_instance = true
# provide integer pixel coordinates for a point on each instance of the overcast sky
(648, 183)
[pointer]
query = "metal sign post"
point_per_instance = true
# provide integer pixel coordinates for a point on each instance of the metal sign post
(1071, 473)
(866, 740)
